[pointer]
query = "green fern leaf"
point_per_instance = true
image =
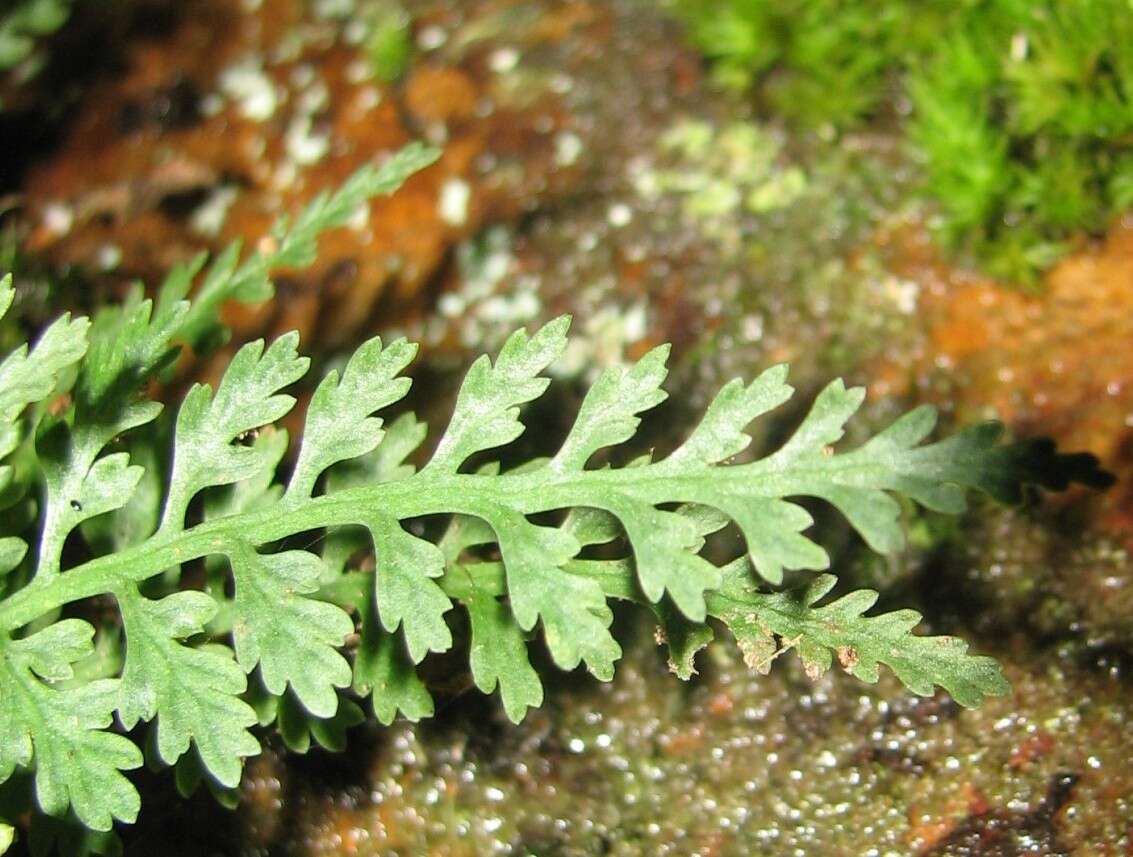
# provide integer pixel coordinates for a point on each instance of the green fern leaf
(860, 643)
(194, 692)
(339, 426)
(384, 672)
(30, 376)
(292, 638)
(609, 413)
(78, 764)
(498, 656)
(487, 407)
(297, 726)
(248, 397)
(406, 595)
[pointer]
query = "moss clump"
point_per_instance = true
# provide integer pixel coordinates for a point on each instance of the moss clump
(24, 22)
(1022, 116)
(390, 44)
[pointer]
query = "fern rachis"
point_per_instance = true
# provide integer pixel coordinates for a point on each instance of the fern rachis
(284, 614)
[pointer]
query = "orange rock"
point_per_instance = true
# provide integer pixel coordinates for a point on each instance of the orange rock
(721, 704)
(254, 112)
(1033, 747)
(1057, 362)
(438, 94)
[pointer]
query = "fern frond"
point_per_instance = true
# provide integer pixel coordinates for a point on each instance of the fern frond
(286, 613)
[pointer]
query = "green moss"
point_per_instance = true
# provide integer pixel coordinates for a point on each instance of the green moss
(390, 44)
(1022, 116)
(816, 62)
(24, 22)
(1024, 123)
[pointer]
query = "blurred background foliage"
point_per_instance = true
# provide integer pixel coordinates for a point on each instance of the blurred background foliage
(23, 23)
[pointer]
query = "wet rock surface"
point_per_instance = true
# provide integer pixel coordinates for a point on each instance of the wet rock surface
(588, 169)
(729, 764)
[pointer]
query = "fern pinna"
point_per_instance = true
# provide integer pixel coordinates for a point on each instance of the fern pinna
(192, 568)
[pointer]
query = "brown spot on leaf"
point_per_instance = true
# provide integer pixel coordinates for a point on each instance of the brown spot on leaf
(847, 657)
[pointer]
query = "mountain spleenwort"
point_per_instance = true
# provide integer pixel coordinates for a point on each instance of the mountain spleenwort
(225, 625)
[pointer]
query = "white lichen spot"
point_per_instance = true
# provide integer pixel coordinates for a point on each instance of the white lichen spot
(211, 105)
(503, 60)
(316, 98)
(208, 217)
(453, 203)
(359, 70)
(302, 75)
(58, 218)
(360, 219)
(109, 257)
(290, 46)
(367, 99)
(619, 215)
(491, 300)
(751, 328)
(485, 107)
(497, 264)
(568, 146)
(602, 340)
(341, 9)
(642, 173)
(253, 91)
(525, 305)
(284, 176)
(903, 294)
(355, 32)
(303, 145)
(496, 309)
(436, 133)
(587, 241)
(634, 324)
(451, 305)
(432, 37)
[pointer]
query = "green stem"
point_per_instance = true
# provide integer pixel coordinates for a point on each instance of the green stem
(426, 493)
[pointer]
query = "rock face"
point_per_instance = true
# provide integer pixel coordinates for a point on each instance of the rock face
(587, 169)
(242, 112)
